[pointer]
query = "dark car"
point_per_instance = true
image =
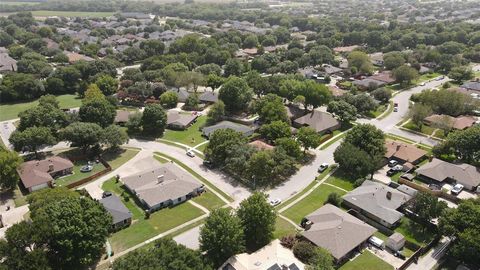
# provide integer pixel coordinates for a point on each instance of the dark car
(106, 194)
(208, 164)
(434, 187)
(391, 172)
(399, 255)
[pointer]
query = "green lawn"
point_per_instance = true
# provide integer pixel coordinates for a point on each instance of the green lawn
(160, 221)
(396, 176)
(310, 203)
(389, 111)
(366, 261)
(310, 186)
(283, 228)
(47, 13)
(194, 173)
(325, 146)
(191, 136)
(426, 77)
(11, 110)
(439, 134)
(413, 232)
(160, 159)
(380, 109)
(341, 180)
(19, 198)
(209, 200)
(117, 159)
(423, 129)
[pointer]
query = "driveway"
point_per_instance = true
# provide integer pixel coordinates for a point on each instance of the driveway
(190, 238)
(381, 175)
(6, 129)
(386, 256)
(11, 217)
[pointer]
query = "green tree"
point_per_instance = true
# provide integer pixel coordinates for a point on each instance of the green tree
(463, 223)
(334, 199)
(367, 138)
(31, 139)
(169, 99)
(107, 84)
(290, 146)
(405, 75)
(154, 120)
(221, 236)
(353, 161)
(134, 123)
(418, 112)
(344, 111)
(258, 220)
(44, 197)
(49, 100)
(464, 144)
(165, 253)
(360, 61)
(93, 93)
(393, 60)
(308, 137)
(214, 81)
(114, 136)
(462, 73)
(9, 163)
(382, 94)
(270, 108)
(222, 142)
(192, 102)
(152, 47)
(260, 168)
(427, 207)
(304, 251)
(98, 111)
(275, 130)
(321, 260)
(216, 112)
(82, 134)
(44, 115)
(236, 94)
(315, 94)
(233, 67)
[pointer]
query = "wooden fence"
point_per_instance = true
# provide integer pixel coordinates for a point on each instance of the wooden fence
(87, 179)
(437, 193)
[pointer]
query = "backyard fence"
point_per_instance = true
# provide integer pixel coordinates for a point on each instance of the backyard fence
(437, 193)
(87, 179)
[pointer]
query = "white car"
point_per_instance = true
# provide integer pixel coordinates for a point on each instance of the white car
(190, 153)
(275, 202)
(322, 167)
(422, 84)
(457, 189)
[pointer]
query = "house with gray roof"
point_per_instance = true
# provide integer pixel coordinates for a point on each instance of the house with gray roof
(180, 121)
(320, 121)
(337, 231)
(377, 202)
(474, 85)
(208, 97)
(121, 216)
(162, 186)
(7, 63)
(245, 130)
(439, 171)
(368, 84)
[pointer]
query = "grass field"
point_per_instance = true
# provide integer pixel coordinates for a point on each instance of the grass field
(413, 232)
(48, 13)
(423, 129)
(283, 228)
(209, 201)
(11, 110)
(366, 261)
(341, 180)
(310, 203)
(191, 136)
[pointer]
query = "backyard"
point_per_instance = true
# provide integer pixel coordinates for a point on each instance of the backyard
(414, 232)
(191, 136)
(310, 203)
(366, 260)
(11, 110)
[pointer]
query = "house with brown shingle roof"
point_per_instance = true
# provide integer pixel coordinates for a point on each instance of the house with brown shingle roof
(319, 121)
(38, 174)
(459, 122)
(440, 171)
(122, 117)
(177, 120)
(404, 153)
(7, 63)
(75, 57)
(261, 145)
(337, 231)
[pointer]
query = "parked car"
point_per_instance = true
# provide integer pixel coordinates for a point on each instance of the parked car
(397, 168)
(457, 189)
(208, 164)
(395, 104)
(322, 167)
(422, 84)
(86, 168)
(399, 255)
(392, 163)
(391, 172)
(376, 242)
(275, 202)
(395, 109)
(434, 187)
(106, 194)
(190, 153)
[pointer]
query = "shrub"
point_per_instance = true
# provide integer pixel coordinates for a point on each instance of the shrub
(304, 251)
(358, 182)
(288, 241)
(334, 198)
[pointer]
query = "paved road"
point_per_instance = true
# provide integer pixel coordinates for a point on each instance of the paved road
(190, 238)
(12, 216)
(6, 129)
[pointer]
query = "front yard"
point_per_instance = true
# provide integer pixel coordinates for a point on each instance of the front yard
(366, 260)
(341, 180)
(310, 203)
(283, 228)
(423, 129)
(191, 136)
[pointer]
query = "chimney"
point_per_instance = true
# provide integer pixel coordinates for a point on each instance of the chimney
(389, 195)
(160, 179)
(398, 147)
(50, 167)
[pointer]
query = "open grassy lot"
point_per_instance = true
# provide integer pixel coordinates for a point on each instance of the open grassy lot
(11, 110)
(160, 221)
(310, 203)
(366, 261)
(283, 228)
(413, 232)
(341, 180)
(191, 136)
(47, 13)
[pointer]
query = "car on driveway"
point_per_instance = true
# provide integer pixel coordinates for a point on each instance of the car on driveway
(322, 167)
(434, 187)
(391, 172)
(457, 189)
(392, 163)
(275, 202)
(190, 153)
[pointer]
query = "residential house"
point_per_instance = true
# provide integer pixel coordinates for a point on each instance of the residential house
(245, 130)
(377, 202)
(377, 59)
(337, 231)
(470, 92)
(163, 186)
(7, 63)
(368, 84)
(439, 171)
(385, 76)
(39, 174)
(346, 49)
(473, 85)
(403, 152)
(337, 92)
(181, 121)
(320, 121)
(261, 145)
(75, 57)
(331, 70)
(121, 216)
(208, 97)
(182, 94)
(459, 122)
(122, 117)
(271, 257)
(294, 112)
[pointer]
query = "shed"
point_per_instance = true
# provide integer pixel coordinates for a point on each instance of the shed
(396, 241)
